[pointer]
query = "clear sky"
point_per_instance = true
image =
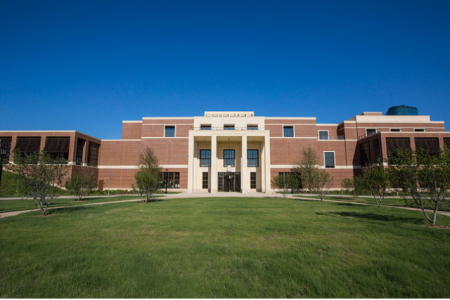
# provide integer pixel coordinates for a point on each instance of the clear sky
(88, 65)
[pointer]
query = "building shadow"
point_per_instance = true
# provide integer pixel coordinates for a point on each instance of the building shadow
(374, 217)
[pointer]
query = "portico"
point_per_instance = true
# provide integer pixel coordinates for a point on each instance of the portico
(219, 158)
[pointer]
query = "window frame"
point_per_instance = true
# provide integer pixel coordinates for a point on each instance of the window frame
(288, 126)
(225, 159)
(207, 159)
(325, 159)
(367, 134)
(328, 135)
(253, 159)
(174, 130)
(229, 127)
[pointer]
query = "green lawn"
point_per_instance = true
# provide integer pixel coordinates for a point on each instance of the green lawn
(224, 247)
(15, 205)
(371, 200)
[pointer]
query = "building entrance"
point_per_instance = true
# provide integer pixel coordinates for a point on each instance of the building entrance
(229, 182)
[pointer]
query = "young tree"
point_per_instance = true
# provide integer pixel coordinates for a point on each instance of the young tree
(377, 181)
(147, 178)
(426, 176)
(308, 167)
(354, 186)
(347, 184)
(109, 176)
(322, 183)
(280, 183)
(81, 183)
(40, 175)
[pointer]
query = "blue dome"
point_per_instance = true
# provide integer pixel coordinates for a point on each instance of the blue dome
(402, 110)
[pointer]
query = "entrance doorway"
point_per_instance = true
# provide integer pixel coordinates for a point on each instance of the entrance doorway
(229, 182)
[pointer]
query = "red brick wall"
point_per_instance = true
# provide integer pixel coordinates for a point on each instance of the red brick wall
(131, 130)
(170, 151)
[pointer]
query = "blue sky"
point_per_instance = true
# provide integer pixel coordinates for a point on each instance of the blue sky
(88, 65)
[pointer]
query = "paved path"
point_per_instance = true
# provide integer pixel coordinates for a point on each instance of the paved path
(207, 195)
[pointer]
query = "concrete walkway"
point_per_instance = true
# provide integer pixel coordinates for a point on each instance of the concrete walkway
(206, 195)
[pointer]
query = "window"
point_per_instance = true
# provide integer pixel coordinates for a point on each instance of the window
(79, 157)
(228, 127)
(205, 180)
(253, 180)
(252, 127)
(93, 154)
(5, 142)
(205, 127)
(252, 158)
(395, 130)
(169, 131)
(323, 135)
(288, 131)
(58, 147)
(205, 158)
(329, 159)
(172, 179)
(370, 131)
(394, 144)
(428, 145)
(419, 130)
(28, 145)
(447, 142)
(366, 157)
(228, 157)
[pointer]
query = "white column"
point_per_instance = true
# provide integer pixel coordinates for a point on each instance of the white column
(214, 183)
(191, 164)
(267, 163)
(262, 160)
(245, 181)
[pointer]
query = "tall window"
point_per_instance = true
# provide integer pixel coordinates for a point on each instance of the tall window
(205, 158)
(252, 127)
(205, 127)
(5, 142)
(323, 135)
(253, 180)
(58, 147)
(171, 178)
(329, 159)
(288, 131)
(205, 180)
(28, 145)
(371, 131)
(429, 145)
(366, 156)
(228, 157)
(93, 154)
(395, 144)
(252, 158)
(79, 157)
(169, 131)
(228, 127)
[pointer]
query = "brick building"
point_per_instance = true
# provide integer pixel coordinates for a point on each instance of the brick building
(234, 151)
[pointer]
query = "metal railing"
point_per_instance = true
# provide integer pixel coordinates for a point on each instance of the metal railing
(227, 129)
(366, 135)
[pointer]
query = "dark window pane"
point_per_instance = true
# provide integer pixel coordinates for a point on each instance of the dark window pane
(80, 146)
(366, 158)
(228, 127)
(93, 154)
(253, 180)
(329, 159)
(429, 145)
(371, 131)
(28, 145)
(205, 127)
(205, 180)
(170, 131)
(288, 131)
(5, 143)
(205, 158)
(252, 127)
(228, 157)
(323, 135)
(252, 158)
(419, 130)
(392, 144)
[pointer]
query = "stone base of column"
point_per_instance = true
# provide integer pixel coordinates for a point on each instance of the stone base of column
(214, 191)
(245, 191)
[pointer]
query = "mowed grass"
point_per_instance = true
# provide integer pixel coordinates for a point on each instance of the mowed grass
(224, 247)
(19, 204)
(371, 200)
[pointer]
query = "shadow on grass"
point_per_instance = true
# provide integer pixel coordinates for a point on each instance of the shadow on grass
(69, 209)
(375, 217)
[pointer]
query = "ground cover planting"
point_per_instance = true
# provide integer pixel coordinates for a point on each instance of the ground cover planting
(224, 247)
(19, 204)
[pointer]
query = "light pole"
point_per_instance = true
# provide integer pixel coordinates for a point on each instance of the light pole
(165, 176)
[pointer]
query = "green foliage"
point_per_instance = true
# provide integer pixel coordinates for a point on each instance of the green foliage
(147, 178)
(82, 183)
(11, 185)
(280, 183)
(41, 176)
(353, 186)
(426, 176)
(307, 167)
(321, 183)
(377, 181)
